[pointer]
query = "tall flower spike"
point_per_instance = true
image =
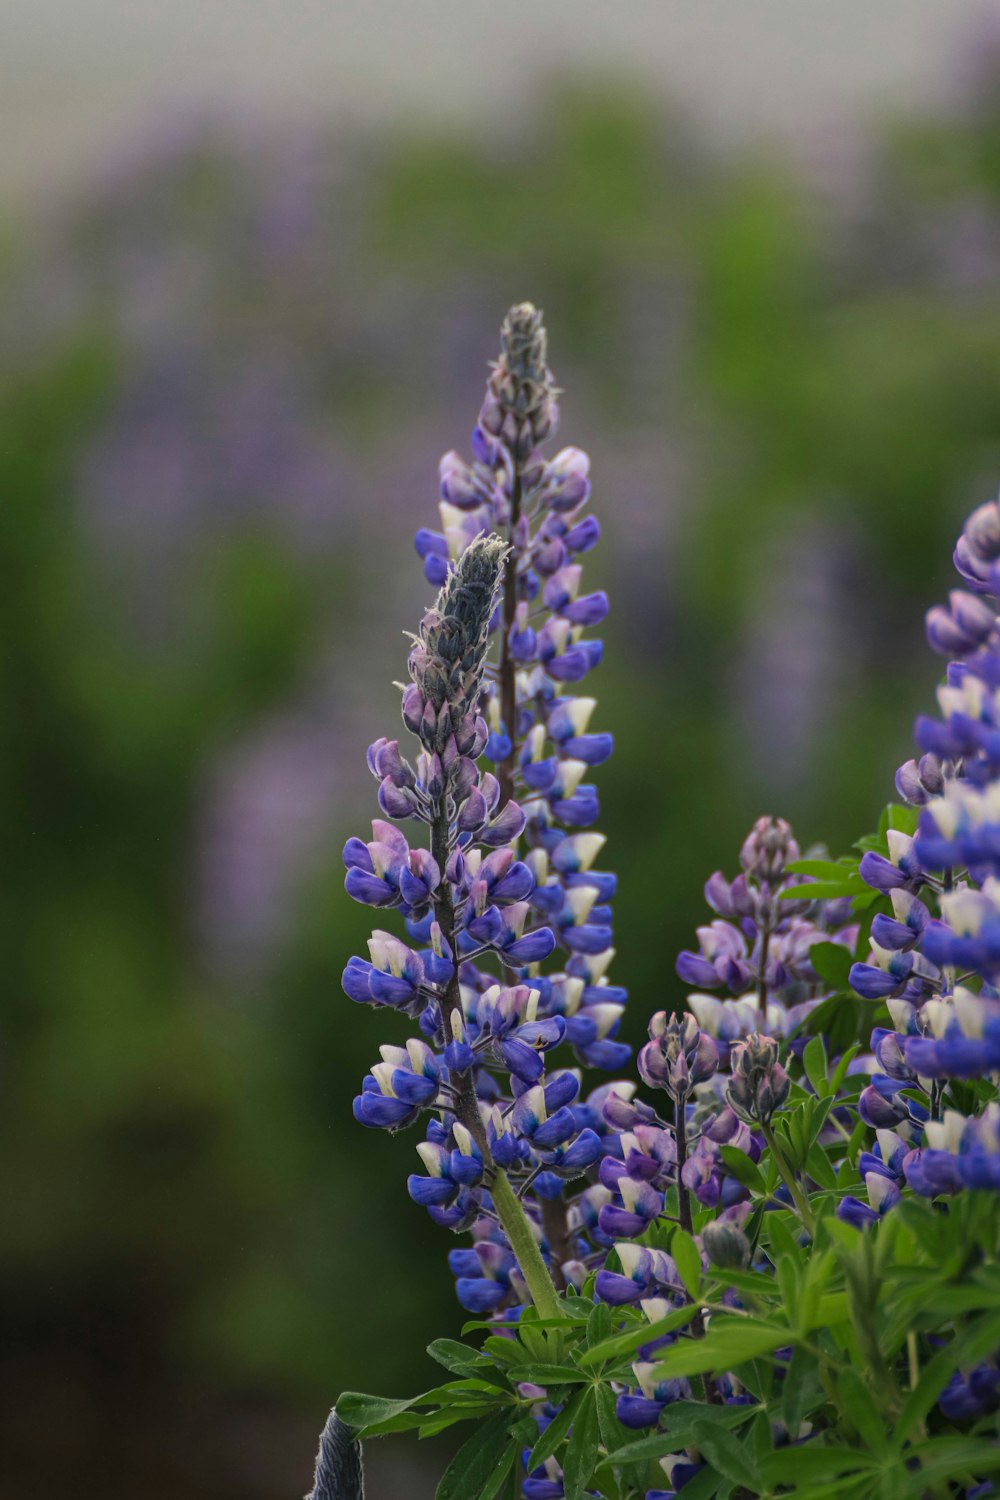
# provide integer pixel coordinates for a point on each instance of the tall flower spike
(936, 960)
(490, 669)
(542, 745)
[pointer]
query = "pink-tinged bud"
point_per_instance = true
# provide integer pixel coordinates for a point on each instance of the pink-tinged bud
(677, 1055)
(767, 848)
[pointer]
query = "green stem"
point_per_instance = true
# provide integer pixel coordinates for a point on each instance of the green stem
(525, 1247)
(788, 1176)
(687, 1224)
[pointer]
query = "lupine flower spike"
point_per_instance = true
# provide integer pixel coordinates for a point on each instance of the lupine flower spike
(936, 960)
(489, 668)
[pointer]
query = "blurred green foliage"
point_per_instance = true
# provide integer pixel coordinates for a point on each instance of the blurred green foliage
(195, 1224)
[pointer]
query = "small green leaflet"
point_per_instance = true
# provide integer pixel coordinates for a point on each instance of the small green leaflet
(580, 1458)
(726, 1454)
(832, 961)
(687, 1260)
(624, 1344)
(474, 1463)
(553, 1435)
(743, 1169)
(729, 1342)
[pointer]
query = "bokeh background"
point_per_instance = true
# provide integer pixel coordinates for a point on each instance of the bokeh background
(252, 263)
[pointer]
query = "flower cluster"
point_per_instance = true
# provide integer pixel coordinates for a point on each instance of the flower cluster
(490, 671)
(935, 960)
(710, 1215)
(758, 946)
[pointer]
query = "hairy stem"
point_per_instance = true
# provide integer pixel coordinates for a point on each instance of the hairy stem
(525, 1247)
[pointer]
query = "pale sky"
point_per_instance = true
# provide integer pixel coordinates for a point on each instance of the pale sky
(77, 76)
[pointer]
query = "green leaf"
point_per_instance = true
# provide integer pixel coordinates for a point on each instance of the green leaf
(599, 1324)
(624, 1344)
(840, 1071)
(677, 1431)
(430, 1426)
(539, 1374)
(814, 1056)
(475, 1461)
(819, 1168)
(800, 1389)
(504, 1351)
(814, 1461)
(580, 1459)
(948, 1457)
(729, 1342)
(461, 1359)
(832, 962)
(703, 1485)
(726, 1453)
(613, 1434)
(826, 890)
(534, 1340)
(859, 1408)
(824, 869)
(360, 1411)
(743, 1169)
(902, 818)
(549, 1440)
(497, 1479)
(688, 1261)
(971, 1346)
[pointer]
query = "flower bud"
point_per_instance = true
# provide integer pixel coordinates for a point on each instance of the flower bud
(678, 1054)
(759, 1084)
(726, 1245)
